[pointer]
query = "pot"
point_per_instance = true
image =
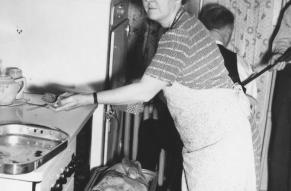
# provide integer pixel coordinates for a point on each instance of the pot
(10, 89)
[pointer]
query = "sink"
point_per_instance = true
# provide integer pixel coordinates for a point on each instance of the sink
(25, 147)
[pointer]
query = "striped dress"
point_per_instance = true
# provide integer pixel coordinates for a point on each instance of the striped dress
(210, 116)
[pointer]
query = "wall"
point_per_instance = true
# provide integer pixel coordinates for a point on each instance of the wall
(60, 45)
(55, 41)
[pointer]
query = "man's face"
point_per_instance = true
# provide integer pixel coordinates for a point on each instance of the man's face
(159, 10)
(228, 33)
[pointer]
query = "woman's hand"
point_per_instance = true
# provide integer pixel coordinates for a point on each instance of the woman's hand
(140, 91)
(68, 101)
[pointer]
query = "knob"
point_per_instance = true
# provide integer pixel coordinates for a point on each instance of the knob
(57, 187)
(66, 172)
(74, 158)
(62, 179)
(71, 169)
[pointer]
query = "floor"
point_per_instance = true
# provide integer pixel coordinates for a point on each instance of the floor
(172, 173)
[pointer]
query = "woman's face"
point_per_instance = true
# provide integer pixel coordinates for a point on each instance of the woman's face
(161, 10)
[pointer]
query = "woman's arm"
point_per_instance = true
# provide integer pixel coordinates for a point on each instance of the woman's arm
(141, 91)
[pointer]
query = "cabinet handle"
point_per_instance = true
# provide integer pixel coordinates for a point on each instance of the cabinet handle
(127, 29)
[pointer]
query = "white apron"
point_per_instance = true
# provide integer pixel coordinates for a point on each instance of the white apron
(214, 127)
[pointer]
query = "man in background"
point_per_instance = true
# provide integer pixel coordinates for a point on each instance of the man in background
(220, 22)
(280, 142)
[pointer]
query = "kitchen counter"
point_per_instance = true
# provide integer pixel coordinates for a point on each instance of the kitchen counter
(70, 122)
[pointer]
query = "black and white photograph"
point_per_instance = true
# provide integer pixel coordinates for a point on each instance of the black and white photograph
(145, 95)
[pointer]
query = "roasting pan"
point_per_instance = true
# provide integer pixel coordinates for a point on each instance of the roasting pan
(25, 147)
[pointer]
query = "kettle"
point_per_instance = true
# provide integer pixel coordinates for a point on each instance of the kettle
(10, 89)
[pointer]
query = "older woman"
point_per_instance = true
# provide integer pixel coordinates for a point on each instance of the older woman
(209, 113)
